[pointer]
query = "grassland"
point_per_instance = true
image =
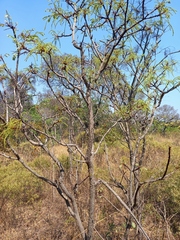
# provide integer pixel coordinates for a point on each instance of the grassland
(30, 209)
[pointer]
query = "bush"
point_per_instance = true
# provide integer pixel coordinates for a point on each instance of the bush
(19, 185)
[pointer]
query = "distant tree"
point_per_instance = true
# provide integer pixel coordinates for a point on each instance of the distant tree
(166, 116)
(118, 63)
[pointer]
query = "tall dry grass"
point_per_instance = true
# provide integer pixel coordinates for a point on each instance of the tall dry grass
(48, 218)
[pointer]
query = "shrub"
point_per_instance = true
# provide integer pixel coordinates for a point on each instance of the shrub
(18, 185)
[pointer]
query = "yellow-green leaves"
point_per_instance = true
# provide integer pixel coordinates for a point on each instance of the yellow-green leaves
(18, 185)
(41, 48)
(10, 130)
(163, 9)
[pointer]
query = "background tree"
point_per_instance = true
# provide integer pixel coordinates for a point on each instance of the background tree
(117, 64)
(166, 116)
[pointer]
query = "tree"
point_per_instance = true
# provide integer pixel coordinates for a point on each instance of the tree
(117, 63)
(15, 84)
(166, 116)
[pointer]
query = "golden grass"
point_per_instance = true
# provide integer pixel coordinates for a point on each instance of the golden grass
(60, 150)
(48, 218)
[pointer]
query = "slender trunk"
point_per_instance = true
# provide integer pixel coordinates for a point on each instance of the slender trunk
(78, 220)
(17, 101)
(91, 201)
(90, 156)
(6, 107)
(134, 196)
(72, 207)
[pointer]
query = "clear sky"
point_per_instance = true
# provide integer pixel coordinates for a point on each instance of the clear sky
(29, 13)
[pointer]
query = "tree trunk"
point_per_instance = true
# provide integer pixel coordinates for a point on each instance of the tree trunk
(90, 165)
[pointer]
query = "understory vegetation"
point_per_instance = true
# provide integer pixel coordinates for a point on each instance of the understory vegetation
(30, 210)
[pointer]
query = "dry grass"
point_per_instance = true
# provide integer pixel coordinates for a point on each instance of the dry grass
(44, 220)
(48, 219)
(60, 151)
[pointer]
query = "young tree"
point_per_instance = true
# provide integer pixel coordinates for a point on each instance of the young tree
(136, 85)
(16, 85)
(117, 62)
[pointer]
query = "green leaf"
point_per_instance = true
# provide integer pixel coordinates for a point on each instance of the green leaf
(133, 225)
(14, 57)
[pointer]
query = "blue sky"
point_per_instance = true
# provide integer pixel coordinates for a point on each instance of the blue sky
(29, 13)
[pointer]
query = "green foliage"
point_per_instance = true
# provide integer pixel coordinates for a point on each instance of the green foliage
(18, 185)
(64, 159)
(11, 130)
(166, 120)
(32, 114)
(102, 173)
(42, 49)
(41, 162)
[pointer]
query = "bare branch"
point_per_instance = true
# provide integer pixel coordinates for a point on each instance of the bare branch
(126, 207)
